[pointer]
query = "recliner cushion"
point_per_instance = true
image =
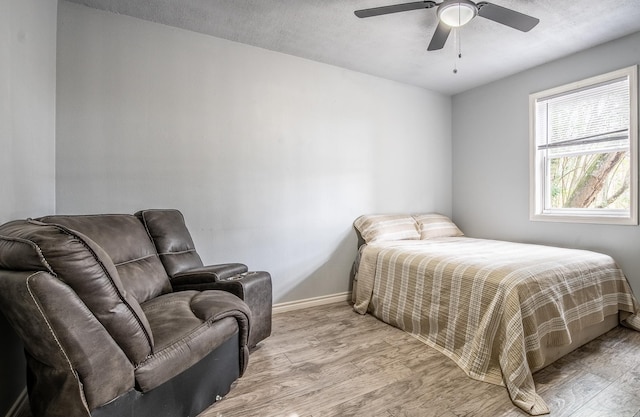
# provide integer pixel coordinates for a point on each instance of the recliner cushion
(172, 239)
(17, 254)
(85, 267)
(126, 241)
(187, 326)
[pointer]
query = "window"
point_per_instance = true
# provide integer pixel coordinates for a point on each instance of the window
(584, 139)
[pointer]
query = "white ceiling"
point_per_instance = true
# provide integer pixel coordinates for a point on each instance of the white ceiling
(395, 46)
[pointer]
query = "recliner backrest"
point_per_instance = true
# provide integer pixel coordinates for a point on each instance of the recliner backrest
(127, 243)
(84, 266)
(169, 233)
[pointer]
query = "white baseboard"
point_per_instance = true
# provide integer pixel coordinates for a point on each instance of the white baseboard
(18, 406)
(311, 302)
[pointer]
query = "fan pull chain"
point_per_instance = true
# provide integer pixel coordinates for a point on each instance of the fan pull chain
(457, 39)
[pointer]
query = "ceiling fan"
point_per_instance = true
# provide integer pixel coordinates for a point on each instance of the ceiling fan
(456, 13)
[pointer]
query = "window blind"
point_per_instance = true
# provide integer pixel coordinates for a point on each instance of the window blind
(595, 118)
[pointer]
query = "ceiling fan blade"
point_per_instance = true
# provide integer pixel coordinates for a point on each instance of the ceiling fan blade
(439, 37)
(404, 7)
(506, 16)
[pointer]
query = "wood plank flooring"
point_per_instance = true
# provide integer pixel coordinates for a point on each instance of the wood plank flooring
(330, 361)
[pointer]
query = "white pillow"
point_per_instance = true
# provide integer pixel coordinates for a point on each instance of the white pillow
(386, 227)
(434, 225)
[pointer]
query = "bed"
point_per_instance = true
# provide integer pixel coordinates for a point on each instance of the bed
(500, 310)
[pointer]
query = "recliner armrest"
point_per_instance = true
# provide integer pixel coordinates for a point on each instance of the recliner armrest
(254, 288)
(194, 278)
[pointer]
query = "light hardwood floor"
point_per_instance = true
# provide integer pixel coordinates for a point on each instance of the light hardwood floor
(330, 361)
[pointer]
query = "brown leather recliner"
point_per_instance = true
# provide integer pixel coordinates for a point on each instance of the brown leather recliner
(104, 331)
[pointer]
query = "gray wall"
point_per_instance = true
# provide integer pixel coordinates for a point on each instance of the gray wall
(270, 157)
(491, 159)
(27, 141)
(27, 107)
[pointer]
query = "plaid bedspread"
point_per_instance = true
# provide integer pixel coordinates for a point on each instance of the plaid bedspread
(489, 305)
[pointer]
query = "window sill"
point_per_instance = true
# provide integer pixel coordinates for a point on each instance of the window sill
(567, 218)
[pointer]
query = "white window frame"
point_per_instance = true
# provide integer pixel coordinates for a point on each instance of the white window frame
(537, 166)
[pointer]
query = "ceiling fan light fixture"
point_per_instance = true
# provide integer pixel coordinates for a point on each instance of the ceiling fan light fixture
(456, 13)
